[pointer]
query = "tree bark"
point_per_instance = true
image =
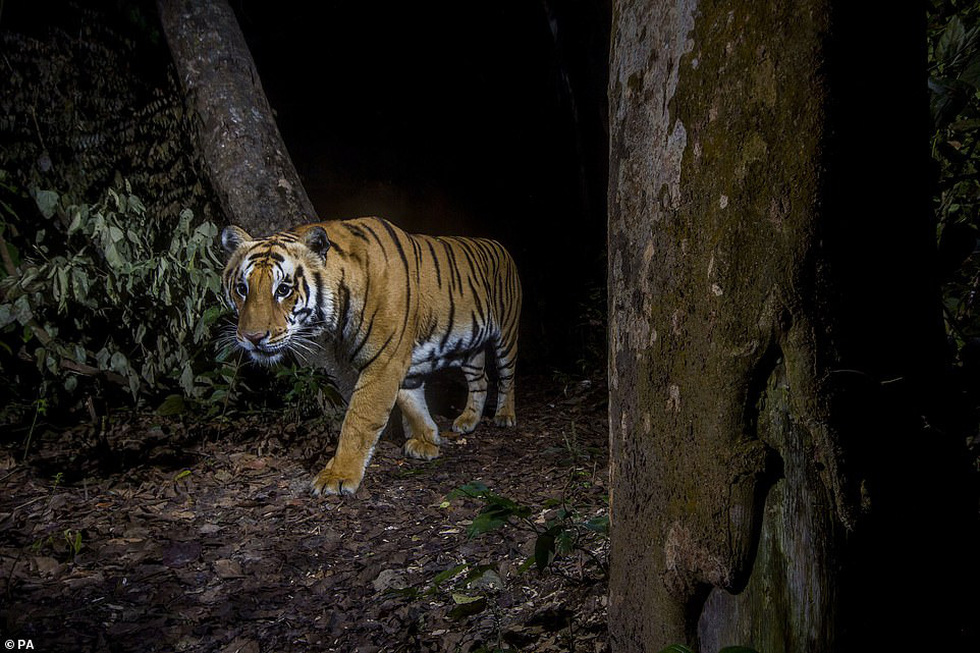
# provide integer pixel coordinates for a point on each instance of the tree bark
(250, 169)
(772, 348)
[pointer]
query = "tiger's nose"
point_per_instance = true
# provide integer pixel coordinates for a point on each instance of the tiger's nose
(254, 337)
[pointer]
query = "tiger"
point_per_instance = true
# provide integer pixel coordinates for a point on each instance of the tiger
(383, 309)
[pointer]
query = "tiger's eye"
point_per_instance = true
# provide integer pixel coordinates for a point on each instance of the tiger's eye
(241, 288)
(283, 290)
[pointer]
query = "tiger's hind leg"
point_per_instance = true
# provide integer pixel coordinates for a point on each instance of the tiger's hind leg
(474, 369)
(505, 352)
(421, 431)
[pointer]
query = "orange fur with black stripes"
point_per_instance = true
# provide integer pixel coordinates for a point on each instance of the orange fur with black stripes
(392, 307)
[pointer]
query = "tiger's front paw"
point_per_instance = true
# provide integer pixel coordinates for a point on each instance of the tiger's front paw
(418, 448)
(337, 479)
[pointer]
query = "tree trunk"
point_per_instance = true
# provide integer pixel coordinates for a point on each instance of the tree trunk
(775, 331)
(249, 166)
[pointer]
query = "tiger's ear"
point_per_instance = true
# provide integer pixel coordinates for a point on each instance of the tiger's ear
(232, 238)
(316, 239)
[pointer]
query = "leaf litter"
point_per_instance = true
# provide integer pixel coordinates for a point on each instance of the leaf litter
(163, 534)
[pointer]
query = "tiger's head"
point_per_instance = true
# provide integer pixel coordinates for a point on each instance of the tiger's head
(277, 286)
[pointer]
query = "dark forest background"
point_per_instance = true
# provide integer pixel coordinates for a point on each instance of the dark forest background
(473, 118)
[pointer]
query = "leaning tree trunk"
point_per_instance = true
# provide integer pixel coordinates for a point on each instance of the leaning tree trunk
(250, 169)
(774, 329)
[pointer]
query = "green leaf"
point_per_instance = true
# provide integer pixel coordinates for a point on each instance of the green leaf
(76, 221)
(22, 310)
(212, 314)
(471, 489)
(468, 608)
(564, 542)
(599, 524)
(102, 358)
(505, 505)
(136, 204)
(14, 256)
(112, 256)
(118, 200)
(47, 202)
(971, 73)
(172, 405)
(61, 288)
(544, 549)
(408, 592)
(446, 574)
(493, 517)
(187, 378)
(118, 363)
(463, 599)
(484, 523)
(46, 360)
(80, 284)
(7, 315)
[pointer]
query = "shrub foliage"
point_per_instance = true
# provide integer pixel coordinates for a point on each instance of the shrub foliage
(954, 83)
(119, 294)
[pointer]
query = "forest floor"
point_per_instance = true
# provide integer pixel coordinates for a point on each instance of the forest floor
(170, 534)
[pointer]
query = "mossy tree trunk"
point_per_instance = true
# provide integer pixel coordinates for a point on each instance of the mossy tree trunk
(250, 169)
(775, 334)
